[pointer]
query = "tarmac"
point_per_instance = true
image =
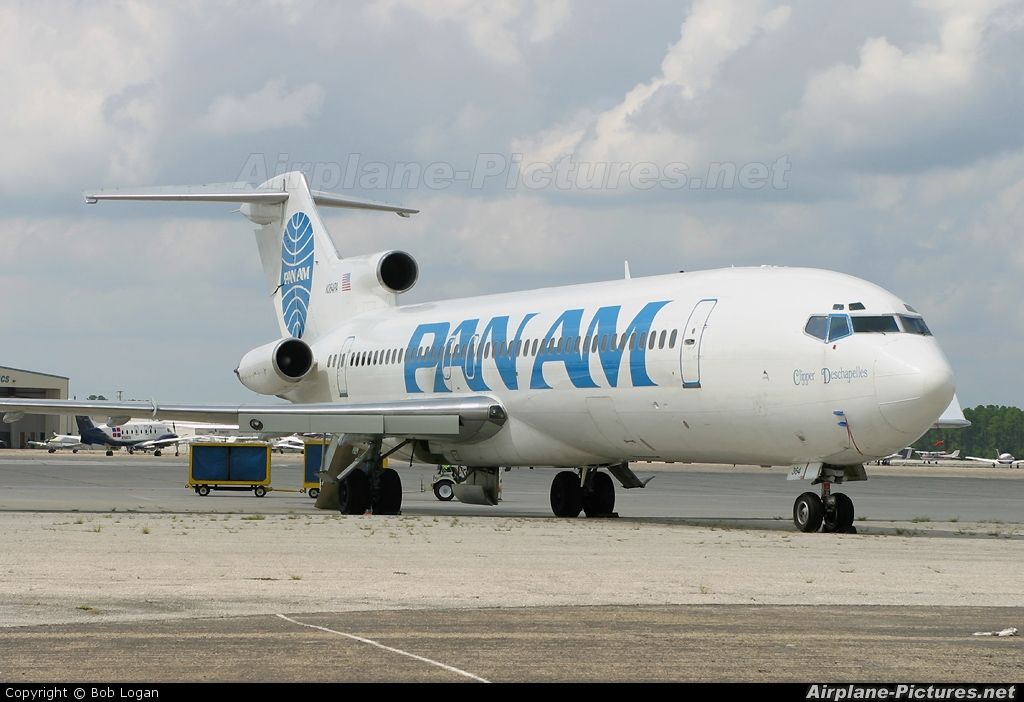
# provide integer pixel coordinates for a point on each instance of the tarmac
(113, 571)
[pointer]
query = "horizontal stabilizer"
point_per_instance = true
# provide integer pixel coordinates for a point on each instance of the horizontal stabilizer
(242, 193)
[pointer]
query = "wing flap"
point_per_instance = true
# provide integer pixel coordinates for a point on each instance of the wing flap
(448, 416)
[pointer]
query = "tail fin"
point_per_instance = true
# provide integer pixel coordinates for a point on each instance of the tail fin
(905, 453)
(294, 245)
(85, 424)
(955, 454)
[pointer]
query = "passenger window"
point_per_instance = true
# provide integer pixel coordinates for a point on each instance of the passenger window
(672, 339)
(838, 327)
(661, 340)
(817, 327)
(652, 340)
(641, 340)
(533, 349)
(401, 355)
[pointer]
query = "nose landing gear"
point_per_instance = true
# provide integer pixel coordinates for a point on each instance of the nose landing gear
(832, 512)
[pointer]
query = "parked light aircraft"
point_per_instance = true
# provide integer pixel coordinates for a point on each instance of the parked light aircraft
(1001, 459)
(936, 456)
(58, 442)
(809, 368)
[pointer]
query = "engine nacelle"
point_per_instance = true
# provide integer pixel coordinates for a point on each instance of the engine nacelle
(275, 368)
(390, 271)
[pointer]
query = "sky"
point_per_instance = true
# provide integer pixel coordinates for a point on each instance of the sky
(545, 143)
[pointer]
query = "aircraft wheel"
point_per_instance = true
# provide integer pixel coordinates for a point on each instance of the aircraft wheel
(110, 453)
(157, 453)
(259, 491)
(566, 494)
(74, 450)
(389, 494)
(314, 493)
(203, 490)
(354, 493)
(444, 490)
(840, 519)
(599, 498)
(808, 512)
(51, 450)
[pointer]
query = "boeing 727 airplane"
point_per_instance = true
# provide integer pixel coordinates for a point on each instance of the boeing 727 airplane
(812, 369)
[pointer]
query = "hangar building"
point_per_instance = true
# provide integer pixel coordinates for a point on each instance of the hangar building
(15, 382)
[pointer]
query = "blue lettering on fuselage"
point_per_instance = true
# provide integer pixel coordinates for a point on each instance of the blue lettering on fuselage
(444, 347)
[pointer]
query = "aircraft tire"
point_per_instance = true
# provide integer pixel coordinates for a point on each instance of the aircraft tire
(808, 512)
(566, 495)
(110, 453)
(51, 450)
(157, 453)
(389, 496)
(599, 500)
(354, 493)
(444, 490)
(839, 520)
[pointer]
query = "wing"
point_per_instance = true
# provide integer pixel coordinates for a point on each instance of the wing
(458, 418)
(157, 443)
(981, 460)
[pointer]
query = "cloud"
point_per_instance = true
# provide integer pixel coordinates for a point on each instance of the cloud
(896, 97)
(636, 128)
(80, 101)
(499, 29)
(274, 106)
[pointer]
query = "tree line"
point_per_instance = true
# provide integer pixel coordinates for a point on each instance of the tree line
(993, 428)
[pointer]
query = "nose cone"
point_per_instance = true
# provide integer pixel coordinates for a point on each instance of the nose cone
(913, 383)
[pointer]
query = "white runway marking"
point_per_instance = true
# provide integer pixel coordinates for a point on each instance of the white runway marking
(450, 669)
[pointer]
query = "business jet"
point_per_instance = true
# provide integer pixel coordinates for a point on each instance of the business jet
(1001, 459)
(134, 435)
(812, 369)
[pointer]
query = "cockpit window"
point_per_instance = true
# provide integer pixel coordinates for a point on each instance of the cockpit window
(817, 327)
(915, 325)
(838, 326)
(875, 325)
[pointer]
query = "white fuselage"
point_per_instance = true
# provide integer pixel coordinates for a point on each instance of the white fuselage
(731, 376)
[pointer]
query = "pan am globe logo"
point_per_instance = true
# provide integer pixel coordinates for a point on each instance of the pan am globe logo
(296, 272)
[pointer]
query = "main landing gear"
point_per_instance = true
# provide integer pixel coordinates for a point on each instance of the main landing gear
(832, 512)
(584, 490)
(368, 485)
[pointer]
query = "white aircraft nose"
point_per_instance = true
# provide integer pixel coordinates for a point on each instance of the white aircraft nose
(913, 383)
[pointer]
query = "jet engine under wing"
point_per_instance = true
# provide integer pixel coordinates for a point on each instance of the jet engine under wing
(466, 418)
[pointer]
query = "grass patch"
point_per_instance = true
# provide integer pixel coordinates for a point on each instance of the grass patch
(253, 518)
(296, 577)
(97, 529)
(85, 608)
(918, 520)
(145, 530)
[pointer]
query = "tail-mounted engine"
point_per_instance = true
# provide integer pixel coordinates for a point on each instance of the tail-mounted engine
(275, 368)
(390, 272)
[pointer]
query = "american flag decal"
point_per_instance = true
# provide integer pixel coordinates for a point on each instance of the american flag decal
(346, 282)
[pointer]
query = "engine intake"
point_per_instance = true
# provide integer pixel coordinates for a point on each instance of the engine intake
(397, 271)
(276, 367)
